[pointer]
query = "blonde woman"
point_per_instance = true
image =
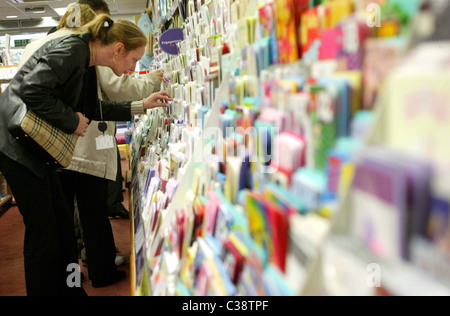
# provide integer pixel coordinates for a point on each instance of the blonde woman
(58, 82)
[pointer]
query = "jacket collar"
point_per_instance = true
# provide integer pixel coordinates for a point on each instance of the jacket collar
(86, 37)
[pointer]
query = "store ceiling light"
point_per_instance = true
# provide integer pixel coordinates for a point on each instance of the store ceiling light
(12, 17)
(36, 10)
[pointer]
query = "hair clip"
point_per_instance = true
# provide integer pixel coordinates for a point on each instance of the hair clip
(108, 23)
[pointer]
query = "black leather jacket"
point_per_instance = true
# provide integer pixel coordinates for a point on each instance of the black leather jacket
(56, 82)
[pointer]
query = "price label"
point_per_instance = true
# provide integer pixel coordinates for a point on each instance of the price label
(104, 142)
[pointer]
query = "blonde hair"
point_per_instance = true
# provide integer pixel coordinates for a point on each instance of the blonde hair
(86, 16)
(105, 30)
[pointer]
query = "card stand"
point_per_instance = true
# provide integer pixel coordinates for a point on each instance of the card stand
(364, 272)
(178, 201)
(159, 27)
(334, 238)
(139, 272)
(212, 120)
(361, 268)
(306, 235)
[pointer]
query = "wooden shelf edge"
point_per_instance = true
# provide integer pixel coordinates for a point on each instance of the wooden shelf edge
(132, 256)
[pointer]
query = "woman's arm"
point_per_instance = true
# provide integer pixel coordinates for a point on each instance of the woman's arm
(122, 111)
(127, 88)
(39, 86)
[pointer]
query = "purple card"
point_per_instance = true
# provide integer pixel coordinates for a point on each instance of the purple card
(418, 175)
(379, 210)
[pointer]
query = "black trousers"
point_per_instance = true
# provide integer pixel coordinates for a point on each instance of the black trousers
(50, 248)
(91, 196)
(115, 194)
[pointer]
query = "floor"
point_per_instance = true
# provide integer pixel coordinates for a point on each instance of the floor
(12, 280)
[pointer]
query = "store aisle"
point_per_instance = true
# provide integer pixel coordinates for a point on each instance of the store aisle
(12, 280)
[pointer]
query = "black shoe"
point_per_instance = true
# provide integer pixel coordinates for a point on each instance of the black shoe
(122, 212)
(118, 210)
(114, 278)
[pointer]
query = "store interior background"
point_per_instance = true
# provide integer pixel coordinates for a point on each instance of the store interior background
(29, 20)
(344, 260)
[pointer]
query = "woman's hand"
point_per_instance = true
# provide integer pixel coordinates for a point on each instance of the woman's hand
(157, 99)
(160, 74)
(82, 125)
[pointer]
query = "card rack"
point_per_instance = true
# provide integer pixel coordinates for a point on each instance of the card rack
(256, 226)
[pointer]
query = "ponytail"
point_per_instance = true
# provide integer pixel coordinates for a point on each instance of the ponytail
(105, 30)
